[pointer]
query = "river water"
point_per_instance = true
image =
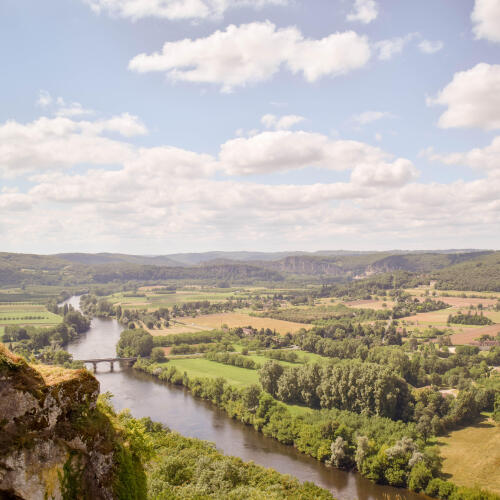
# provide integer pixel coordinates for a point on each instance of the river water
(175, 407)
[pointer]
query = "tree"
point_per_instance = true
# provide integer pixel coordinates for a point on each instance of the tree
(251, 396)
(158, 355)
(76, 319)
(362, 450)
(136, 342)
(288, 388)
(420, 476)
(338, 449)
(269, 376)
(496, 409)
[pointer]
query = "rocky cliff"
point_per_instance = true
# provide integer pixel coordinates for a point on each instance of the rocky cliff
(52, 443)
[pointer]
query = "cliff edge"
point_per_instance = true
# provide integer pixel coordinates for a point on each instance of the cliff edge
(52, 445)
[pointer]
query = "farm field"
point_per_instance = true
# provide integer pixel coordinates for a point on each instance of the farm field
(440, 318)
(462, 333)
(470, 294)
(474, 333)
(152, 300)
(370, 304)
(233, 320)
(21, 313)
(176, 328)
(448, 294)
(472, 456)
(462, 302)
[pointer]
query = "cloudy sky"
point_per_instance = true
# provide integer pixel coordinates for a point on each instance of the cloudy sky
(159, 126)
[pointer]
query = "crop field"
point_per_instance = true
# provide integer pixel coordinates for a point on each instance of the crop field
(434, 318)
(233, 320)
(469, 294)
(377, 305)
(462, 334)
(150, 300)
(173, 330)
(472, 455)
(27, 314)
(466, 302)
(474, 333)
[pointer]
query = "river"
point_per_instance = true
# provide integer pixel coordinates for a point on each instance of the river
(175, 407)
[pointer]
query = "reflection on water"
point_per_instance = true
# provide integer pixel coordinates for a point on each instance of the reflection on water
(147, 396)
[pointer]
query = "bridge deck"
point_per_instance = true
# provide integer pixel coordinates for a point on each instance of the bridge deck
(106, 360)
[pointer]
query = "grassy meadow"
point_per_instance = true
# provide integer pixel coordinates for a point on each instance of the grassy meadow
(472, 455)
(240, 377)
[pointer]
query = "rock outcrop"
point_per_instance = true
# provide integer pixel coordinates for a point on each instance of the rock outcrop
(52, 444)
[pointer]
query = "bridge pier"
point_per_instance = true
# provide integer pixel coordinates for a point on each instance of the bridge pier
(127, 361)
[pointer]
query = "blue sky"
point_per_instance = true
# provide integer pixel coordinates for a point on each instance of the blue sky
(286, 125)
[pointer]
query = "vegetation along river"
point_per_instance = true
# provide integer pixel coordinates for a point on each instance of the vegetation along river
(175, 407)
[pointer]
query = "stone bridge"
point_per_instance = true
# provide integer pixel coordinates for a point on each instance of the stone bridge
(129, 361)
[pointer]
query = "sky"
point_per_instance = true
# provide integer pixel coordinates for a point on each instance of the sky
(163, 126)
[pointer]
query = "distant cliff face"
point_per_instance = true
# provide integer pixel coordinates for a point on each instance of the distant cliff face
(48, 449)
(307, 265)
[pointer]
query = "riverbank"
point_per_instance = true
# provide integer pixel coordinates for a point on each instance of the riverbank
(147, 396)
(312, 432)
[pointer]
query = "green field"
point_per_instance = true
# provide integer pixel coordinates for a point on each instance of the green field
(234, 375)
(153, 300)
(21, 313)
(201, 367)
(472, 455)
(303, 357)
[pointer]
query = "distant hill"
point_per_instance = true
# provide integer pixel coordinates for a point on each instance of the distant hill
(476, 270)
(423, 262)
(92, 259)
(349, 266)
(192, 259)
(480, 274)
(202, 257)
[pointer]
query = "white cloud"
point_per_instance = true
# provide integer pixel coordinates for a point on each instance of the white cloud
(69, 110)
(174, 9)
(240, 55)
(284, 150)
(281, 123)
(16, 202)
(430, 47)
(370, 116)
(397, 173)
(60, 142)
(387, 49)
(44, 99)
(486, 20)
(472, 98)
(364, 11)
(73, 109)
(188, 201)
(487, 158)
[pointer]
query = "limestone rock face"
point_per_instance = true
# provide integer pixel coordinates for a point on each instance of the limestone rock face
(46, 442)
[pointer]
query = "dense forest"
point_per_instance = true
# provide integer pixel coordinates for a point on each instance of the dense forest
(473, 270)
(478, 274)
